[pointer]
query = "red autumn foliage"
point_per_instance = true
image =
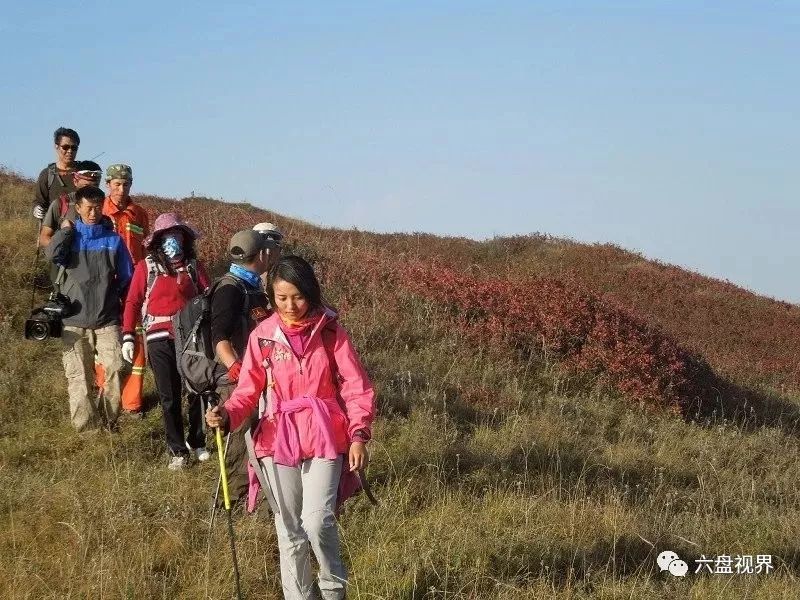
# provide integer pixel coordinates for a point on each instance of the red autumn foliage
(586, 334)
(749, 338)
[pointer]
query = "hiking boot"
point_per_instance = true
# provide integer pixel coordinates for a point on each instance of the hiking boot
(177, 463)
(202, 454)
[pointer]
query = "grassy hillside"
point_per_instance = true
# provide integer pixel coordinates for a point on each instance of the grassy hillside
(537, 439)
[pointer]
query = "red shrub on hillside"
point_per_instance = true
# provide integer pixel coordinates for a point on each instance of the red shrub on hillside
(585, 333)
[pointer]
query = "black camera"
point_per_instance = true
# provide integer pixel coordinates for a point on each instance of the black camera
(45, 321)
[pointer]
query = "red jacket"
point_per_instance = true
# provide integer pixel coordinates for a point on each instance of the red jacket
(167, 296)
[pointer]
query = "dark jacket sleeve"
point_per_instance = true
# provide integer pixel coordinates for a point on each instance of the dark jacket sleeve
(60, 246)
(226, 313)
(41, 196)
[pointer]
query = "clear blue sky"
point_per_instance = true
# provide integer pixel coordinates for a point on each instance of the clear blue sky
(669, 128)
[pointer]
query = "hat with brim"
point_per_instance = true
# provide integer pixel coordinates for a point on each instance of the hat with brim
(167, 221)
(119, 171)
(271, 233)
(246, 244)
(88, 169)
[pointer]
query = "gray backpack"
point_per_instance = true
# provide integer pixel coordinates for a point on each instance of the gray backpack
(197, 363)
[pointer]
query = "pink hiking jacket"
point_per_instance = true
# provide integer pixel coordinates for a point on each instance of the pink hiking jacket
(296, 381)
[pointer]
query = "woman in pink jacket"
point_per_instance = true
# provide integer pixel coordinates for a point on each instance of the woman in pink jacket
(303, 372)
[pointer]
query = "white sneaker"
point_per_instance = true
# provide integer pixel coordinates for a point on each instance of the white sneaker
(202, 454)
(177, 463)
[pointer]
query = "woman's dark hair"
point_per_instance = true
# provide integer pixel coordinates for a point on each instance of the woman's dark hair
(300, 274)
(89, 192)
(155, 251)
(68, 133)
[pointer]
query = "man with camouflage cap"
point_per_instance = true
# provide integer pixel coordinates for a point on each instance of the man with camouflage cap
(133, 225)
(130, 219)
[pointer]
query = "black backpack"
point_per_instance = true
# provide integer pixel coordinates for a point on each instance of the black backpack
(197, 365)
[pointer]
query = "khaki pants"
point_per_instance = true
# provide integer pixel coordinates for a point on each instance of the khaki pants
(132, 379)
(80, 346)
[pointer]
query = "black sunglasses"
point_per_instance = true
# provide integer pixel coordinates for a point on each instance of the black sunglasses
(67, 147)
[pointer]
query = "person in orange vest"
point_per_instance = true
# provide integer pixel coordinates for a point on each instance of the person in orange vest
(133, 226)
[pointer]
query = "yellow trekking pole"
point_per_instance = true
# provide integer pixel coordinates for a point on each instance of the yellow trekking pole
(227, 500)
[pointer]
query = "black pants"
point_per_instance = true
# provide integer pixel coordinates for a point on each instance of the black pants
(161, 354)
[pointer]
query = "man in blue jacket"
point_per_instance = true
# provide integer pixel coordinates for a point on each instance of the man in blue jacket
(95, 270)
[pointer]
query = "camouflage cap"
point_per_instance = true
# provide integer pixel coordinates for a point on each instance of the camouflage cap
(119, 172)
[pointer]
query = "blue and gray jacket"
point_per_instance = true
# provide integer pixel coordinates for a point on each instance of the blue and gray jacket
(98, 271)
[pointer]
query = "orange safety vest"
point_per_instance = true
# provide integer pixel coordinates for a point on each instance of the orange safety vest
(132, 224)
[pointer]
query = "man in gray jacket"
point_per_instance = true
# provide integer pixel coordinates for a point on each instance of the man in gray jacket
(95, 269)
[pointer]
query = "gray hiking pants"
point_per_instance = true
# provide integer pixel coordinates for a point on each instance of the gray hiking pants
(306, 497)
(80, 347)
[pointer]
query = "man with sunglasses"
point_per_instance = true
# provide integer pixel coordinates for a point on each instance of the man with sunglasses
(56, 178)
(86, 172)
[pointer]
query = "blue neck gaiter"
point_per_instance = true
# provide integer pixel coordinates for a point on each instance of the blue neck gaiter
(246, 275)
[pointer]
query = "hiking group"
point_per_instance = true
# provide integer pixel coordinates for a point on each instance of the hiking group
(257, 353)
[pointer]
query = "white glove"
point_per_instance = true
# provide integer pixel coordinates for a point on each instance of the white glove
(127, 351)
(38, 212)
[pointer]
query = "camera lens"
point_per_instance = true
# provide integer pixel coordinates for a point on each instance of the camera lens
(40, 331)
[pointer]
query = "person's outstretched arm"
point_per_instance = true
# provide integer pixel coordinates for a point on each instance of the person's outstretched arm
(245, 397)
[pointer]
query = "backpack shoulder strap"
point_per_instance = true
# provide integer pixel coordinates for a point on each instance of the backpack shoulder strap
(242, 288)
(191, 269)
(152, 273)
(63, 204)
(51, 175)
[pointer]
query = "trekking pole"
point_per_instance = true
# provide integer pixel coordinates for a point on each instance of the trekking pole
(216, 493)
(213, 399)
(226, 497)
(35, 262)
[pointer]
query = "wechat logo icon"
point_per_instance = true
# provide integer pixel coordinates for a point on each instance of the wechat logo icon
(669, 561)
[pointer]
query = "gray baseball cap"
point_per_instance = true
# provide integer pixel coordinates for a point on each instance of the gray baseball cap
(246, 244)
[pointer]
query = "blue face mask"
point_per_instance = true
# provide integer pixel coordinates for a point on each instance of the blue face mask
(171, 247)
